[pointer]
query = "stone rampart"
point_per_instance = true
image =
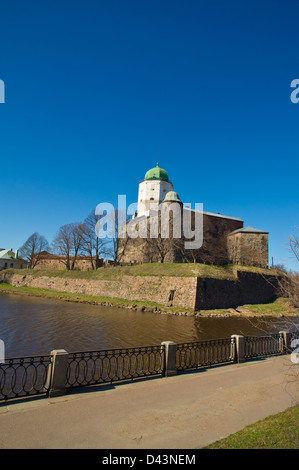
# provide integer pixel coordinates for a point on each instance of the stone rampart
(184, 292)
(246, 288)
(143, 288)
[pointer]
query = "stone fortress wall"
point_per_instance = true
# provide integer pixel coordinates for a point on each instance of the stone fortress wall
(50, 261)
(183, 292)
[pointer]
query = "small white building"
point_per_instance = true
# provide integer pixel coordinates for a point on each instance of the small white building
(10, 259)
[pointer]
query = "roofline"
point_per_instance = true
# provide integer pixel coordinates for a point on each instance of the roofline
(214, 214)
(240, 230)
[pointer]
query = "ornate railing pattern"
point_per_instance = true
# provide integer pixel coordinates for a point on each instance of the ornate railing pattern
(95, 367)
(204, 353)
(24, 376)
(61, 370)
(258, 346)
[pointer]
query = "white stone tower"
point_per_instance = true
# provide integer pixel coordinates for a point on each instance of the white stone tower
(152, 190)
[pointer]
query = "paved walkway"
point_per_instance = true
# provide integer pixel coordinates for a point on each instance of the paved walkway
(187, 411)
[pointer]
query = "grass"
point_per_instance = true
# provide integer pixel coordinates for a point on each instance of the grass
(148, 269)
(277, 307)
(280, 431)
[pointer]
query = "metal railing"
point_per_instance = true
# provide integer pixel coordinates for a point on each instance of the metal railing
(259, 346)
(24, 376)
(106, 366)
(59, 371)
(204, 353)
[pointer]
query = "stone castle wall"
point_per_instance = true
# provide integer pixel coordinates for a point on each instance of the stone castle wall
(50, 261)
(247, 288)
(248, 249)
(220, 246)
(213, 251)
(182, 292)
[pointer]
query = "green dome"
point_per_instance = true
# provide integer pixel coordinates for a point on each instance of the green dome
(172, 196)
(156, 174)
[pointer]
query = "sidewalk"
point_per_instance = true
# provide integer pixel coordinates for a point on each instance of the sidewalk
(187, 411)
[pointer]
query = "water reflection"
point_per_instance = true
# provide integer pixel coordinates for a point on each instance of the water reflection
(30, 325)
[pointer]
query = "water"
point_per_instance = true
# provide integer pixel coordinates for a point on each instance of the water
(33, 326)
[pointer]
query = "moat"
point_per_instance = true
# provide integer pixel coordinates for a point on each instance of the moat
(32, 326)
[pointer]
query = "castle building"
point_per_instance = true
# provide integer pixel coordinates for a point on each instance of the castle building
(224, 238)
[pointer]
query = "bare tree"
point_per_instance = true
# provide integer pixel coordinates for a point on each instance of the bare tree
(160, 242)
(111, 230)
(281, 268)
(289, 284)
(156, 249)
(77, 237)
(68, 243)
(32, 249)
(293, 244)
(92, 244)
(212, 251)
(286, 283)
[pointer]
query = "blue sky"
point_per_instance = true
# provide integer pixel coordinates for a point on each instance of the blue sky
(94, 90)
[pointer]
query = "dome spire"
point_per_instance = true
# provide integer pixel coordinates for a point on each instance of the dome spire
(156, 173)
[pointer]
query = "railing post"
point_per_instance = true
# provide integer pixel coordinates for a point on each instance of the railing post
(286, 343)
(56, 382)
(239, 348)
(169, 358)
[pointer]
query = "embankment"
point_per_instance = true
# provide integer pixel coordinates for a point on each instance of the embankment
(194, 293)
(246, 288)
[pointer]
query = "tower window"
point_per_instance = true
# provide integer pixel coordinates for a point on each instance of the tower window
(216, 229)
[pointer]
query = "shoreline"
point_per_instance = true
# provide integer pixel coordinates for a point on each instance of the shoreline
(180, 295)
(252, 311)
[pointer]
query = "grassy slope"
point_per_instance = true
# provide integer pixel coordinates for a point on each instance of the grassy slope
(280, 431)
(148, 269)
